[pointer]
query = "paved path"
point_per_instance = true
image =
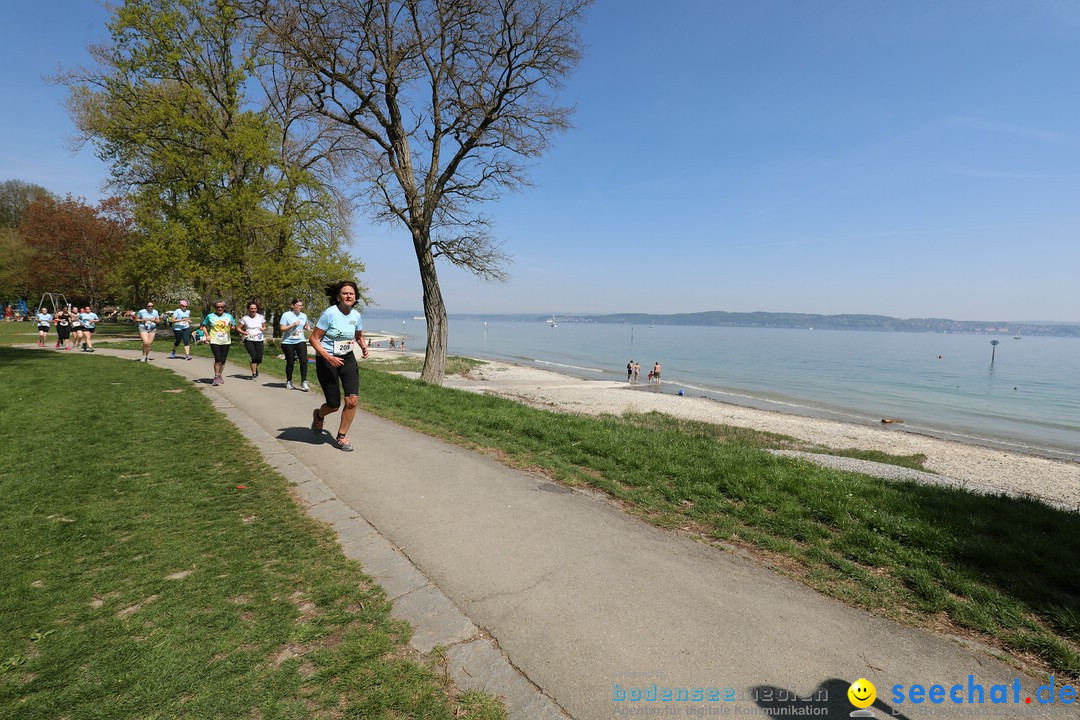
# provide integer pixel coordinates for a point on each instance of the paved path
(560, 602)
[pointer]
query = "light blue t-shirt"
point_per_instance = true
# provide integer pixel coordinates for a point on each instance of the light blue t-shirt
(294, 336)
(147, 319)
(338, 327)
(89, 320)
(181, 319)
(44, 319)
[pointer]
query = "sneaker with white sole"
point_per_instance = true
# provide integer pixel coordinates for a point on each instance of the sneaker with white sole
(342, 443)
(289, 385)
(304, 386)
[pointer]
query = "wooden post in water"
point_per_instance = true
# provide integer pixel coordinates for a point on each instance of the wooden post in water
(993, 350)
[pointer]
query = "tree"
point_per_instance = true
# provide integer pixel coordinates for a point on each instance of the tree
(14, 266)
(219, 202)
(15, 198)
(436, 104)
(75, 247)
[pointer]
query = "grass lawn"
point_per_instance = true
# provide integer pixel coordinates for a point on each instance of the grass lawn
(154, 567)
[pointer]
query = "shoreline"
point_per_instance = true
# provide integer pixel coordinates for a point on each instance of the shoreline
(997, 469)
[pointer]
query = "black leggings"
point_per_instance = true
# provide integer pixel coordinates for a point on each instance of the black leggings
(183, 337)
(255, 350)
(329, 376)
(220, 352)
(293, 353)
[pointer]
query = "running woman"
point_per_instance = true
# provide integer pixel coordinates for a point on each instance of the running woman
(293, 324)
(253, 327)
(77, 332)
(218, 326)
(89, 324)
(44, 320)
(148, 319)
(63, 329)
(181, 327)
(338, 328)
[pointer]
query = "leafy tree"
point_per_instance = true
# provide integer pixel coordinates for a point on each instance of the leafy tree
(14, 266)
(74, 247)
(436, 106)
(221, 200)
(15, 198)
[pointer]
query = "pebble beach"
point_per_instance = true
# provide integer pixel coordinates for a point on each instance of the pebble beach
(981, 469)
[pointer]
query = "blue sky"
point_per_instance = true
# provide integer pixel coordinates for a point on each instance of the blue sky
(910, 159)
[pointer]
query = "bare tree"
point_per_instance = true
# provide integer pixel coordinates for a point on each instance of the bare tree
(433, 106)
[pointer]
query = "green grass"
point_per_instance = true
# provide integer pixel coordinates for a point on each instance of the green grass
(154, 567)
(920, 554)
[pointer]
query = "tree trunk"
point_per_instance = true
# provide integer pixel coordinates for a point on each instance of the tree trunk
(434, 312)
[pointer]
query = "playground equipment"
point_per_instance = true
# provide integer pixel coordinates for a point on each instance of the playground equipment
(57, 300)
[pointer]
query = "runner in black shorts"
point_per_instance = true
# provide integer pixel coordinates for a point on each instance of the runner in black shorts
(338, 329)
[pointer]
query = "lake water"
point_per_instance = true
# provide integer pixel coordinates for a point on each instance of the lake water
(1028, 399)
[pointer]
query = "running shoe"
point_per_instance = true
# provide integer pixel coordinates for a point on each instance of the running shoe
(188, 357)
(289, 385)
(172, 355)
(217, 380)
(254, 376)
(341, 442)
(304, 386)
(316, 421)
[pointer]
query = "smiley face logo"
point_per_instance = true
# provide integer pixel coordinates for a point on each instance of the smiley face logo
(862, 693)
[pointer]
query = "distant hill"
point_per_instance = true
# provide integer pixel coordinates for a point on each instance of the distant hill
(721, 318)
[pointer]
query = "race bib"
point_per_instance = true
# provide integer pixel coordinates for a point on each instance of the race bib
(219, 336)
(255, 336)
(342, 347)
(183, 323)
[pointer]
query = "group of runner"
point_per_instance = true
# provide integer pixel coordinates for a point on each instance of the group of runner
(333, 336)
(74, 327)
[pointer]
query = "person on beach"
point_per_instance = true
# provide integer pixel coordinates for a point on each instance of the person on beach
(89, 325)
(656, 373)
(337, 329)
(147, 318)
(253, 327)
(629, 370)
(44, 320)
(637, 372)
(293, 343)
(219, 325)
(181, 327)
(63, 329)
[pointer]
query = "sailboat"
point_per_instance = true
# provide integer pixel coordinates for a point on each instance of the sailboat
(1017, 335)
(552, 322)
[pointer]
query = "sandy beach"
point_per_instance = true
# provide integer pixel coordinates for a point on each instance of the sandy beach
(976, 467)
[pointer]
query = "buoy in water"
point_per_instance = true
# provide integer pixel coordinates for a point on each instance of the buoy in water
(680, 392)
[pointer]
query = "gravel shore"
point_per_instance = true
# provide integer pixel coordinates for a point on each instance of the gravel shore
(981, 469)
